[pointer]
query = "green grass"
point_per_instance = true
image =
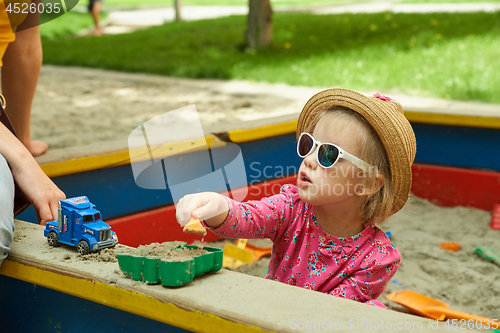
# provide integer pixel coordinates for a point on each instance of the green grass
(67, 24)
(452, 56)
(445, 1)
(137, 3)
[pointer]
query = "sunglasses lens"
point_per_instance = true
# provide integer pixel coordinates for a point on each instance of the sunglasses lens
(305, 145)
(327, 155)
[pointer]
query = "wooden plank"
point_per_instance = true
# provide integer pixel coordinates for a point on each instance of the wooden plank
(160, 225)
(456, 146)
(53, 311)
(106, 160)
(125, 157)
(452, 119)
(157, 225)
(245, 135)
(442, 186)
(449, 187)
(221, 302)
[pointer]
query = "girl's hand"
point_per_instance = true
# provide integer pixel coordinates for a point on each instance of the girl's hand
(208, 206)
(38, 189)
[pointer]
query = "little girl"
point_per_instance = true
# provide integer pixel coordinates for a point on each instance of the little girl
(356, 171)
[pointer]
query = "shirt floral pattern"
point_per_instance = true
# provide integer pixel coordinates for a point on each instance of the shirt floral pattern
(304, 255)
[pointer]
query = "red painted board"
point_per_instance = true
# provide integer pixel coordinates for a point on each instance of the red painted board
(444, 186)
(160, 225)
(448, 187)
(157, 225)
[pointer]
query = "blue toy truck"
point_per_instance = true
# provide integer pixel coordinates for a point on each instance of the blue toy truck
(79, 224)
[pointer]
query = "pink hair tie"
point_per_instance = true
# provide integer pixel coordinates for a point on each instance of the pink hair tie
(382, 97)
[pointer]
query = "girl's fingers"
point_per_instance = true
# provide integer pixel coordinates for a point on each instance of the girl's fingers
(196, 215)
(184, 208)
(192, 202)
(178, 212)
(203, 212)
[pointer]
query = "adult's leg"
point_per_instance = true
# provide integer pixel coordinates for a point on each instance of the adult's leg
(6, 208)
(96, 15)
(21, 68)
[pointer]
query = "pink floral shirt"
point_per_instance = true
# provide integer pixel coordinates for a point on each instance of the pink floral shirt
(357, 267)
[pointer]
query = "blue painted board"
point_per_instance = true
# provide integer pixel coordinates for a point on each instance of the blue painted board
(467, 147)
(28, 308)
(115, 193)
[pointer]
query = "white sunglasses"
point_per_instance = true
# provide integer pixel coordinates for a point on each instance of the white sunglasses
(327, 154)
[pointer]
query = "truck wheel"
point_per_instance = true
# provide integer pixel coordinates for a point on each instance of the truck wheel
(53, 239)
(83, 248)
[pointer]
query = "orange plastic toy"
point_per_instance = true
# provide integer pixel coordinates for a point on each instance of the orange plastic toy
(434, 309)
(450, 246)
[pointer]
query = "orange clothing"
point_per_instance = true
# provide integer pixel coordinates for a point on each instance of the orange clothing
(9, 23)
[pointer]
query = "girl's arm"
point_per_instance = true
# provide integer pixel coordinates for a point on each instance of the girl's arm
(232, 219)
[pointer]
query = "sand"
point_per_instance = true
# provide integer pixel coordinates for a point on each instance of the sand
(75, 107)
(165, 251)
(461, 279)
(236, 297)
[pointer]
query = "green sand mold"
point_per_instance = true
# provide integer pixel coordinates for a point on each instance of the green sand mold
(490, 255)
(171, 272)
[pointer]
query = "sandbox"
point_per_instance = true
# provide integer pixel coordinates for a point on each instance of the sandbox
(222, 302)
(446, 172)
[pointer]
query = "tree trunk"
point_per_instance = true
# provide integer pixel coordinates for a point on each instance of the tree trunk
(260, 26)
(177, 5)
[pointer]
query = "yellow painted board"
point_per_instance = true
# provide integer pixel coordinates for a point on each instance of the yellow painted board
(90, 163)
(238, 135)
(225, 301)
(129, 301)
(452, 119)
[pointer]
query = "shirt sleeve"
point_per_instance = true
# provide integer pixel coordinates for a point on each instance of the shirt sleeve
(6, 209)
(9, 22)
(368, 283)
(257, 219)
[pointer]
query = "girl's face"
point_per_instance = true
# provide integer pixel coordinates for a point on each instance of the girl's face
(320, 186)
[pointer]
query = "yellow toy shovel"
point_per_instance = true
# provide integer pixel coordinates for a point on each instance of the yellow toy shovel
(236, 255)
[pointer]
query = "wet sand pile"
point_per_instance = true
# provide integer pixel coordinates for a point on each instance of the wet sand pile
(168, 251)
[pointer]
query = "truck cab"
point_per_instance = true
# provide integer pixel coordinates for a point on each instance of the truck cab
(80, 224)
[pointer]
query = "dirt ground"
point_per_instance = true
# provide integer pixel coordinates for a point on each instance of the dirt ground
(78, 106)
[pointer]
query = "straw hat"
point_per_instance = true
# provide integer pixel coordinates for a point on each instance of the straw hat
(386, 117)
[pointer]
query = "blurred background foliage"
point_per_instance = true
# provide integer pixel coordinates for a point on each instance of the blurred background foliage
(447, 55)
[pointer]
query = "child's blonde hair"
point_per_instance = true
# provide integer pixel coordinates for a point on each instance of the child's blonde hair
(378, 206)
